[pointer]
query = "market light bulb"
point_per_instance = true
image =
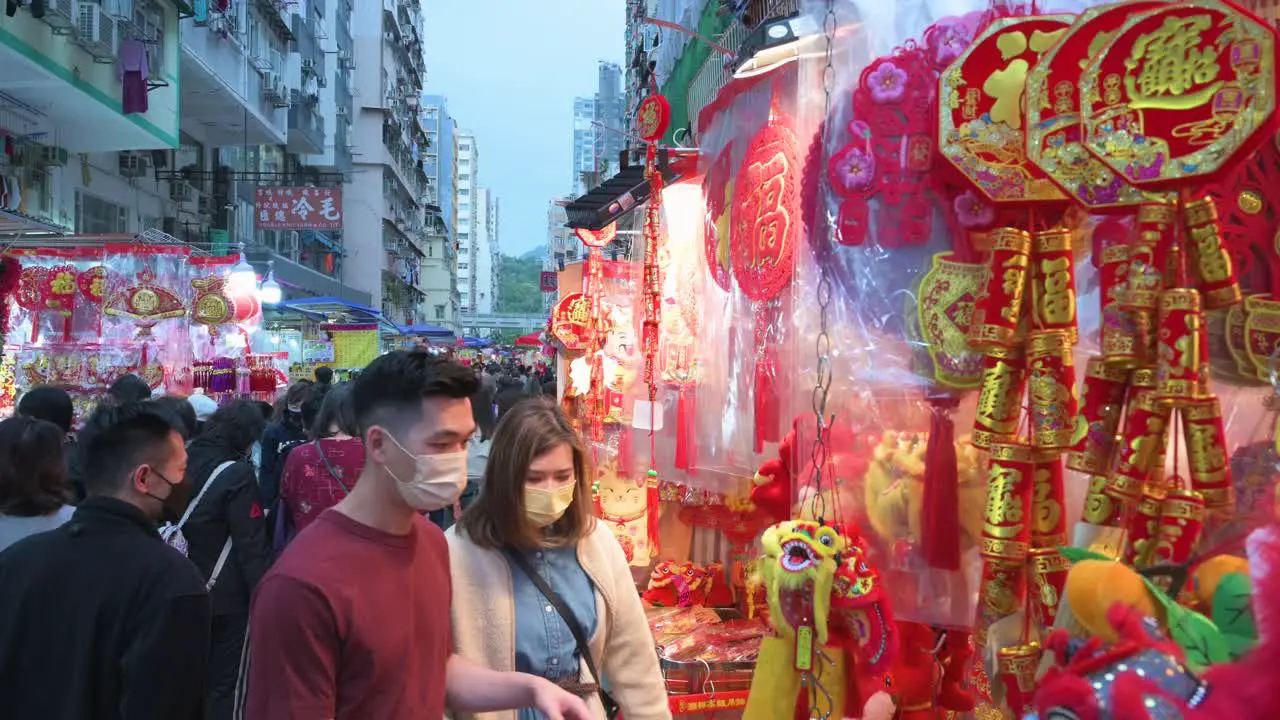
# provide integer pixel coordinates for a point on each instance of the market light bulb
(243, 276)
(270, 293)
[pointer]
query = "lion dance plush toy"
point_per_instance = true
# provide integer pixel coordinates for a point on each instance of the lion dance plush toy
(1143, 675)
(834, 639)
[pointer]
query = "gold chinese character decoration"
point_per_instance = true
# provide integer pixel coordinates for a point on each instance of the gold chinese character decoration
(1179, 92)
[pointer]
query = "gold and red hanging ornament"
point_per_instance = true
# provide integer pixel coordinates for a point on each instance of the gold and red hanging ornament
(145, 303)
(765, 224)
(211, 306)
(571, 323)
(652, 120)
(597, 332)
(1024, 316)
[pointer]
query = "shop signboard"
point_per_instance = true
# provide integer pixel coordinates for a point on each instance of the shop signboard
(297, 208)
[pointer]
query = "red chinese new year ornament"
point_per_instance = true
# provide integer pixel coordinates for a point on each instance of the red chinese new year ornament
(1179, 92)
(766, 211)
(1054, 141)
(59, 289)
(652, 118)
(92, 284)
(597, 238)
(981, 122)
(571, 322)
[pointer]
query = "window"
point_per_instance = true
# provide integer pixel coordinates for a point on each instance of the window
(463, 266)
(439, 312)
(464, 192)
(95, 216)
(464, 177)
(464, 236)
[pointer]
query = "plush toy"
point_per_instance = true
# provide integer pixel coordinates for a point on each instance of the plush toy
(1144, 675)
(832, 625)
(661, 591)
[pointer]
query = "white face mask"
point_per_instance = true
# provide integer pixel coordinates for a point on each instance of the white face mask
(438, 480)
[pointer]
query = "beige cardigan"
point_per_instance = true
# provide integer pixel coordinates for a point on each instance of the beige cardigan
(483, 615)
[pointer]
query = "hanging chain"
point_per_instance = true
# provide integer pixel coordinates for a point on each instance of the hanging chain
(822, 350)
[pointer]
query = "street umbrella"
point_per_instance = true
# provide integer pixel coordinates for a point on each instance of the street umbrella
(533, 339)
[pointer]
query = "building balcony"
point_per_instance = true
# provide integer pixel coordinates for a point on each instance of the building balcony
(58, 75)
(306, 128)
(237, 99)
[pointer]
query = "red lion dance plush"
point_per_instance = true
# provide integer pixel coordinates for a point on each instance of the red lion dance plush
(1142, 676)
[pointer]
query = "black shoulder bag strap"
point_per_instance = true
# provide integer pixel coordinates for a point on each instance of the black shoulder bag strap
(611, 709)
(329, 466)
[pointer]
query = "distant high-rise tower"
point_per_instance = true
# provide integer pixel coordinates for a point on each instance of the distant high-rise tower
(609, 112)
(584, 141)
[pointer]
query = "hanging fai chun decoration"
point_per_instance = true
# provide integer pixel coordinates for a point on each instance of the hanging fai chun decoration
(764, 228)
(653, 118)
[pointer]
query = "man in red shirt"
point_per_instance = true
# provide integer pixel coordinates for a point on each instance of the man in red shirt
(353, 620)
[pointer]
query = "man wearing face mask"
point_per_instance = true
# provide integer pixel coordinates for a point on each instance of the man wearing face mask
(352, 622)
(99, 618)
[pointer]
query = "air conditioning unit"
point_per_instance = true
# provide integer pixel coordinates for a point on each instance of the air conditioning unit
(345, 60)
(61, 15)
(51, 156)
(181, 192)
(389, 36)
(132, 165)
(204, 205)
(342, 112)
(96, 32)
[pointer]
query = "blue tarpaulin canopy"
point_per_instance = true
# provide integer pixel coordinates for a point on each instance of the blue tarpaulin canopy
(426, 330)
(475, 342)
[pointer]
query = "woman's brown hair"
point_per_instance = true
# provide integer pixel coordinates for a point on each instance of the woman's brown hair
(496, 520)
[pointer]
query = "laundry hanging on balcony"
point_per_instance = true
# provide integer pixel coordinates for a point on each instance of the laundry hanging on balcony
(132, 69)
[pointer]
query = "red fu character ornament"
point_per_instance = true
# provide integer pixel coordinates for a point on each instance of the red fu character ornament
(765, 230)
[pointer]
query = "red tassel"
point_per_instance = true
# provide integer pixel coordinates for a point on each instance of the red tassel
(940, 523)
(691, 441)
(682, 433)
(654, 514)
(625, 452)
(766, 398)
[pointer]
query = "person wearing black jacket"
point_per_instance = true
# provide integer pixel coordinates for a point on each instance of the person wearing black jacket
(288, 429)
(228, 509)
(99, 618)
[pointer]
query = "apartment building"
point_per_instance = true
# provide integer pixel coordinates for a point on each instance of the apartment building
(440, 268)
(387, 190)
(563, 246)
(218, 103)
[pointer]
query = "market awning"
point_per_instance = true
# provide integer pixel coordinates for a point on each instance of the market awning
(16, 226)
(331, 308)
(426, 330)
(624, 192)
(475, 342)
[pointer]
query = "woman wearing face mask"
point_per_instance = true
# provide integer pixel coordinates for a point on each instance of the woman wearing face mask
(227, 510)
(531, 566)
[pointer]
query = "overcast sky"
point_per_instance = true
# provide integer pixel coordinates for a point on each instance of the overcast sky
(510, 70)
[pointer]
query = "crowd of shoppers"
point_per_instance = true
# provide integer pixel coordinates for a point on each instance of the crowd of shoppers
(101, 618)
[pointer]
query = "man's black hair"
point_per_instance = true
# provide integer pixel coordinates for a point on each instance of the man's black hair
(324, 375)
(129, 388)
(236, 425)
(48, 403)
(391, 389)
(118, 438)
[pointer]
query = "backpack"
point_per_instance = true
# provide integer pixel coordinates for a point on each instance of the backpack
(282, 529)
(172, 533)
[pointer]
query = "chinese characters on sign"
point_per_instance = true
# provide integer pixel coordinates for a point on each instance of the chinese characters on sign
(548, 282)
(297, 208)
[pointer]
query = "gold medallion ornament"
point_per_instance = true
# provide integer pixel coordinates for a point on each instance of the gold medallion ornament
(211, 307)
(1179, 92)
(1054, 140)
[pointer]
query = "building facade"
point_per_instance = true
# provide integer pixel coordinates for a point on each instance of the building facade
(482, 256)
(610, 109)
(563, 247)
(386, 192)
(584, 142)
(470, 215)
(440, 269)
(264, 100)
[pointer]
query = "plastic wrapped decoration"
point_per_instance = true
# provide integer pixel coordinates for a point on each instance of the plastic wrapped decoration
(683, 270)
(753, 142)
(148, 289)
(211, 305)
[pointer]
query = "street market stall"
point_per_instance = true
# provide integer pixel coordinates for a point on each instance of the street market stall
(971, 315)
